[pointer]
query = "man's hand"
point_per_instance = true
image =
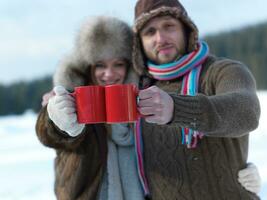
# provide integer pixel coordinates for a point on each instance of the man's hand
(156, 105)
(62, 111)
(46, 97)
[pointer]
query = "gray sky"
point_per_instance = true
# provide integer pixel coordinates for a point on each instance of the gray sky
(34, 35)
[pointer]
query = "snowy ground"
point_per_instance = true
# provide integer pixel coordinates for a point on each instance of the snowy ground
(26, 167)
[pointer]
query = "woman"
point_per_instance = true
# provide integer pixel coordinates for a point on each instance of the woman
(83, 169)
(95, 161)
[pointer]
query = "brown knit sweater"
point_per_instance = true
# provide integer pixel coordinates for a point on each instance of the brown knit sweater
(80, 162)
(225, 110)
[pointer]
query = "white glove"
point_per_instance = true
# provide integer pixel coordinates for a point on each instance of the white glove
(250, 178)
(62, 111)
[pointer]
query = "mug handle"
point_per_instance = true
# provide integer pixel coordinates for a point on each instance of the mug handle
(136, 90)
(73, 94)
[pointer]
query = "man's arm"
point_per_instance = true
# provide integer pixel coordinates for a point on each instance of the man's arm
(232, 109)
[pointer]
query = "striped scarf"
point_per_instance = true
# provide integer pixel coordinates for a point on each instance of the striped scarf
(188, 67)
(139, 157)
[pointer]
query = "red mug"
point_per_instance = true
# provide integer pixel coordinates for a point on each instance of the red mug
(106, 104)
(90, 104)
(121, 103)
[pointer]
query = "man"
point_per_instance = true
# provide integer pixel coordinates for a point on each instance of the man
(199, 109)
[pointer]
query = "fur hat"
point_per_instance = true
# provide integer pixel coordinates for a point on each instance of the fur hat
(104, 38)
(145, 10)
(99, 38)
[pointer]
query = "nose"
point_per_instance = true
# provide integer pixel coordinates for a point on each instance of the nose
(160, 37)
(109, 72)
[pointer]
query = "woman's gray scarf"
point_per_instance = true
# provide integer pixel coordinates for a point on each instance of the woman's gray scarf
(121, 182)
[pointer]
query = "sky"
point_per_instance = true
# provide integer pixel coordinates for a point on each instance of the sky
(35, 35)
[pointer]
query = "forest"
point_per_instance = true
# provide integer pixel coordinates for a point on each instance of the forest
(247, 45)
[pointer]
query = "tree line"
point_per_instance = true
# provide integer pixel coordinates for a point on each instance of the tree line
(18, 97)
(247, 45)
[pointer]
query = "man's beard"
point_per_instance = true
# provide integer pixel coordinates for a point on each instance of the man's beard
(164, 59)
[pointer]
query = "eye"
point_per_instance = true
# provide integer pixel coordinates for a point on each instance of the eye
(169, 26)
(120, 64)
(99, 65)
(149, 32)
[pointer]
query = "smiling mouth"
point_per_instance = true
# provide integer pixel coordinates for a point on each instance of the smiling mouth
(110, 82)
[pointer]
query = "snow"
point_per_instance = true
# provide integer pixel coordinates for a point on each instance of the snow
(26, 166)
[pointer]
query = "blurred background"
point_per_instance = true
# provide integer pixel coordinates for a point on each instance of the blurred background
(35, 35)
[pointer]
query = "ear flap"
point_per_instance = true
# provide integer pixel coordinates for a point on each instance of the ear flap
(72, 72)
(138, 56)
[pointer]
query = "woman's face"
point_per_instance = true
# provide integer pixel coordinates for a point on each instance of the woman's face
(109, 72)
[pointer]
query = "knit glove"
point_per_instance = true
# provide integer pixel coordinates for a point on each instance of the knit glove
(62, 111)
(250, 178)
(155, 105)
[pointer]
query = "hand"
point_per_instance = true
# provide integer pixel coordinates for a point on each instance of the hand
(62, 111)
(46, 97)
(250, 179)
(156, 105)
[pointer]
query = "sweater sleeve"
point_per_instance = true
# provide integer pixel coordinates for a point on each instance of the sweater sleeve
(230, 107)
(50, 135)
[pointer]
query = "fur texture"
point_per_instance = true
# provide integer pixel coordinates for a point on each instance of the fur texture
(99, 38)
(104, 38)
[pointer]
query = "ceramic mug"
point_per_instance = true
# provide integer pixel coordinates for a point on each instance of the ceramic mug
(90, 104)
(106, 104)
(121, 103)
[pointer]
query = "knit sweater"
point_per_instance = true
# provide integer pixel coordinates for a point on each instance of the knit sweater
(225, 110)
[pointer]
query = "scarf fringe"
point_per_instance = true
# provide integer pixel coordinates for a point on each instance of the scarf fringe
(139, 158)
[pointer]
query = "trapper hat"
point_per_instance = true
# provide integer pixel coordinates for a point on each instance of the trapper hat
(99, 38)
(145, 10)
(104, 38)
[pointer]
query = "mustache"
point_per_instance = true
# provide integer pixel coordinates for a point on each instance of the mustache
(163, 46)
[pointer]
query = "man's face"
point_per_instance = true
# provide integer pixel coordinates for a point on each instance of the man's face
(163, 39)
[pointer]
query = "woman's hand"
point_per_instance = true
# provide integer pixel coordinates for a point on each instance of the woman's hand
(62, 111)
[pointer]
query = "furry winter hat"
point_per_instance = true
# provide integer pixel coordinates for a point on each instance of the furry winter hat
(104, 38)
(145, 10)
(99, 38)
